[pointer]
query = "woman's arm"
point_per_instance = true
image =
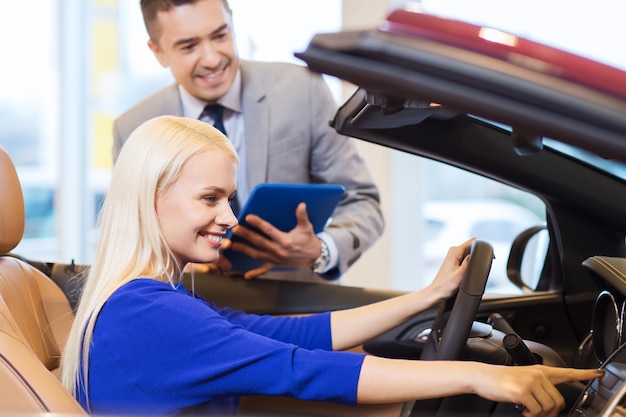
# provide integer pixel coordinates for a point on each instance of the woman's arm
(390, 380)
(357, 325)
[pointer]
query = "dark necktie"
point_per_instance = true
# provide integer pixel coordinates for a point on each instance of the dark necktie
(216, 113)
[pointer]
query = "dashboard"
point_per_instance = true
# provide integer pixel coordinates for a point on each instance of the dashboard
(609, 311)
(604, 347)
(604, 396)
(606, 343)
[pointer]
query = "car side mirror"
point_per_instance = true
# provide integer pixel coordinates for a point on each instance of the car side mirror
(527, 257)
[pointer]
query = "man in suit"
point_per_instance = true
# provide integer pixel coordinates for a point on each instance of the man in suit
(276, 116)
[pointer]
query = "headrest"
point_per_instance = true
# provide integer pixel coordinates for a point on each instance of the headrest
(11, 205)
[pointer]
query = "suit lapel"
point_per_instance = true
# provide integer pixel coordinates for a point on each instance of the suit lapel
(256, 118)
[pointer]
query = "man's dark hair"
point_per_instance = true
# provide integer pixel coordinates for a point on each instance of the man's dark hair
(150, 9)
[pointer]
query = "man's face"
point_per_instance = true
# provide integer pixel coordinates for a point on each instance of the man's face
(197, 42)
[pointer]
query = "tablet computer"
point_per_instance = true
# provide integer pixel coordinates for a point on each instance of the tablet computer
(276, 203)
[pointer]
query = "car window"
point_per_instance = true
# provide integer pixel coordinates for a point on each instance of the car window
(433, 228)
(497, 230)
(448, 205)
(474, 206)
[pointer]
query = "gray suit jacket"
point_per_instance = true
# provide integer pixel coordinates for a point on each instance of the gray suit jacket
(287, 109)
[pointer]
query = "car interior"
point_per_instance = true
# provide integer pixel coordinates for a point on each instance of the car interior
(440, 89)
(430, 103)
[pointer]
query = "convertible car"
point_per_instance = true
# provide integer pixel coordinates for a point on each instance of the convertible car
(527, 115)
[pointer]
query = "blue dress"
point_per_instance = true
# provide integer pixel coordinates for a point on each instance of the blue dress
(157, 350)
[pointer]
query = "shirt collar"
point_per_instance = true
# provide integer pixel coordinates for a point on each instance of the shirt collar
(192, 106)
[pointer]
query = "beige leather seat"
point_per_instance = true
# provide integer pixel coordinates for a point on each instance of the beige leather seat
(35, 318)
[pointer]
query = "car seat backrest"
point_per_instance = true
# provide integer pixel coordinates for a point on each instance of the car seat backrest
(39, 308)
(11, 205)
(27, 386)
(35, 316)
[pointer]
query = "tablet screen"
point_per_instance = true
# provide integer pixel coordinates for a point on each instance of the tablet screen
(276, 203)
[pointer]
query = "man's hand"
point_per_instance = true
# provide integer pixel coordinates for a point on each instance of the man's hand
(222, 266)
(298, 247)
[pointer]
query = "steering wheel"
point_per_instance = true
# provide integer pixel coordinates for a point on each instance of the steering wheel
(448, 336)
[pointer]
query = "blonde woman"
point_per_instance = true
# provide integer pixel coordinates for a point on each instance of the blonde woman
(143, 344)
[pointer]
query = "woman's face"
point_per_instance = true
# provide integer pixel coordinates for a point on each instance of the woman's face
(194, 212)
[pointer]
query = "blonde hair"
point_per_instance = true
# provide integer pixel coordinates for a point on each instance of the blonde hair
(131, 244)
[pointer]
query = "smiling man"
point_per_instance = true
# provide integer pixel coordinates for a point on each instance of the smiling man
(276, 115)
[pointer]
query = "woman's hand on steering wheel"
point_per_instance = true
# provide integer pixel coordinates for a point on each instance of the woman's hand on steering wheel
(451, 271)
